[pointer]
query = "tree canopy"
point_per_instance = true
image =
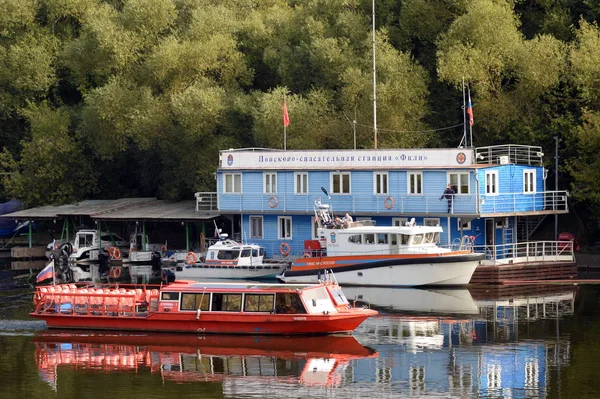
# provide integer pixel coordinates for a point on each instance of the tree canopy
(109, 98)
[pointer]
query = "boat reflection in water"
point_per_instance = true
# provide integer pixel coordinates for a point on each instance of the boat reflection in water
(442, 301)
(309, 361)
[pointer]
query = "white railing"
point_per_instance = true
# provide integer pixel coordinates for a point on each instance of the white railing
(528, 252)
(510, 153)
(207, 201)
(394, 203)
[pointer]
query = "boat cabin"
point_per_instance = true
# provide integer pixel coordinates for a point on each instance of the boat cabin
(233, 253)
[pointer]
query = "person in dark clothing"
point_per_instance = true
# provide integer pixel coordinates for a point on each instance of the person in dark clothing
(449, 195)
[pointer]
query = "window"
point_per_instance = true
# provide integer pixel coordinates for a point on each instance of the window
(460, 182)
(270, 183)
(256, 227)
(228, 254)
(529, 181)
(399, 221)
(431, 221)
(382, 238)
(355, 239)
(258, 302)
(288, 303)
(464, 225)
(301, 183)
(226, 302)
(169, 296)
(380, 183)
(233, 183)
(340, 183)
(415, 183)
(195, 301)
(284, 227)
(491, 182)
(369, 238)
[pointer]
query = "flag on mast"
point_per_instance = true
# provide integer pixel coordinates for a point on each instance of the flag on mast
(286, 117)
(470, 109)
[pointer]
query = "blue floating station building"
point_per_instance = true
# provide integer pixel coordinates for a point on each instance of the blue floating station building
(501, 195)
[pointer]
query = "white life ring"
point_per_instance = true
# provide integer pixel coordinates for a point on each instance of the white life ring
(272, 201)
(388, 203)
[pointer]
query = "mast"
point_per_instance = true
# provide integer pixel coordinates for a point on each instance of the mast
(374, 84)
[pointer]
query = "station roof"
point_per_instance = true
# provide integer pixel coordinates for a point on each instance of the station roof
(123, 209)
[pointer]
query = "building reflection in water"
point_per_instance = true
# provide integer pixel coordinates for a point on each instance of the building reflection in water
(506, 349)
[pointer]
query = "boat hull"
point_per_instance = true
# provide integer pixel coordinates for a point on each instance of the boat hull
(447, 270)
(205, 271)
(297, 324)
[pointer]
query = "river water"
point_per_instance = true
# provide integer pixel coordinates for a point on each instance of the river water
(481, 342)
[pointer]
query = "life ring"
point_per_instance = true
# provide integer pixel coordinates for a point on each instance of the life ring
(190, 258)
(272, 201)
(114, 252)
(115, 272)
(284, 249)
(388, 203)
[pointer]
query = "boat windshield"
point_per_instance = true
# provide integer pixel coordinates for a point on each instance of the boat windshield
(228, 255)
(85, 239)
(246, 253)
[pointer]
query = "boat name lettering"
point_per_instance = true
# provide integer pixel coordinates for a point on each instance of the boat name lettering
(299, 318)
(321, 263)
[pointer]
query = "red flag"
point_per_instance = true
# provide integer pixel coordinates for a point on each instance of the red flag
(470, 110)
(286, 117)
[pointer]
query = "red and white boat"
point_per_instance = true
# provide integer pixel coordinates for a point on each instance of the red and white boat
(200, 307)
(360, 253)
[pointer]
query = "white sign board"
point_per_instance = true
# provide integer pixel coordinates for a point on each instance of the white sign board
(345, 159)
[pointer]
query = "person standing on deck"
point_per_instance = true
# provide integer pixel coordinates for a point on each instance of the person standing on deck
(449, 195)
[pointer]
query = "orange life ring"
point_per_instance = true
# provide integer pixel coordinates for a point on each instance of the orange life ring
(272, 201)
(388, 203)
(190, 258)
(115, 272)
(114, 252)
(284, 249)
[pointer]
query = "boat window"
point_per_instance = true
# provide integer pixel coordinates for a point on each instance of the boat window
(254, 253)
(382, 238)
(338, 296)
(169, 296)
(246, 253)
(369, 238)
(355, 239)
(227, 302)
(404, 239)
(417, 239)
(86, 240)
(190, 301)
(394, 239)
(289, 303)
(228, 255)
(258, 302)
(429, 238)
(261, 251)
(436, 237)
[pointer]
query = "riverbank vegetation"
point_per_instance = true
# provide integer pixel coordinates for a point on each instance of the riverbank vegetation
(113, 98)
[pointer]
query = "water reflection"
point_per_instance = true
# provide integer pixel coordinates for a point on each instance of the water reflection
(307, 361)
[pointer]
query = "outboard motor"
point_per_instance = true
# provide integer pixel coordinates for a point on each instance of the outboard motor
(103, 262)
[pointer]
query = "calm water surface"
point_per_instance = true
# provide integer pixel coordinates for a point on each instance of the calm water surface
(508, 342)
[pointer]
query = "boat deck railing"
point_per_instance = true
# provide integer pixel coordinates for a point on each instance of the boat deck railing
(509, 154)
(81, 301)
(528, 252)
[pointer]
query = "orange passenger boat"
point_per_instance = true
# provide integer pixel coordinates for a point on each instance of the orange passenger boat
(202, 308)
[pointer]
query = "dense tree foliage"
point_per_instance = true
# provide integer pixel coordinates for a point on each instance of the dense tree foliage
(109, 98)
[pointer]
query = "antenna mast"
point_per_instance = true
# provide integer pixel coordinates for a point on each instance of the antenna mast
(374, 84)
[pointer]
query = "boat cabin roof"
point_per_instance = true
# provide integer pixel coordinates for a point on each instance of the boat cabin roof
(187, 285)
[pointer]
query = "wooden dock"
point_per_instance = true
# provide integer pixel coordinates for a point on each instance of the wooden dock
(499, 274)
